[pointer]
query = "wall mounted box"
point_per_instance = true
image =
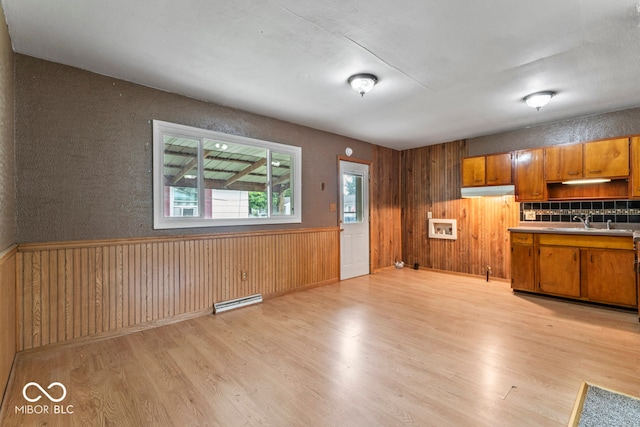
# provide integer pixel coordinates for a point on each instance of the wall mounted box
(443, 229)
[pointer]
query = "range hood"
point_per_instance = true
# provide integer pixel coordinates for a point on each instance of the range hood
(491, 191)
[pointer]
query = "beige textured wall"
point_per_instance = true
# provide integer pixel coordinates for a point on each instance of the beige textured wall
(7, 157)
(7, 209)
(607, 125)
(84, 154)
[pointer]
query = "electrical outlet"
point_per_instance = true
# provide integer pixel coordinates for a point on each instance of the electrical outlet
(429, 214)
(243, 275)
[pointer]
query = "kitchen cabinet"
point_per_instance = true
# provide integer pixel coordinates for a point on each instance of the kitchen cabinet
(611, 277)
(529, 175)
(606, 159)
(499, 169)
(599, 159)
(559, 271)
(563, 162)
(494, 169)
(595, 268)
(473, 171)
(538, 173)
(635, 167)
(522, 261)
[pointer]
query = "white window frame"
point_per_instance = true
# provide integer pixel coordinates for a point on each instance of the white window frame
(160, 128)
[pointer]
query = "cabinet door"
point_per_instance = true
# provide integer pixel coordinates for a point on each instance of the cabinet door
(635, 166)
(522, 267)
(559, 270)
(473, 171)
(530, 183)
(605, 159)
(611, 277)
(499, 169)
(563, 162)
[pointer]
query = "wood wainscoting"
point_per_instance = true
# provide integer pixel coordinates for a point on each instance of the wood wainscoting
(70, 290)
(7, 313)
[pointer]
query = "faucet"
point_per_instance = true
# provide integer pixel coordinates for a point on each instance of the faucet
(585, 219)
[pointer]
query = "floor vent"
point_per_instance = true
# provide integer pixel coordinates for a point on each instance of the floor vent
(219, 307)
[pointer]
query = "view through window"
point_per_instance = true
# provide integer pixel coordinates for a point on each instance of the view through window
(206, 178)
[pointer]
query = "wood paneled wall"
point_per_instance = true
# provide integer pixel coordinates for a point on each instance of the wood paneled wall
(431, 183)
(386, 224)
(7, 314)
(77, 289)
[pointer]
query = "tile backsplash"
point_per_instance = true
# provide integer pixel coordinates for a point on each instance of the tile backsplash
(618, 211)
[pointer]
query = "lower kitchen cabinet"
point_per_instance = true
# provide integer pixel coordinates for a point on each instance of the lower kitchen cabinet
(522, 266)
(611, 277)
(522, 270)
(559, 269)
(585, 267)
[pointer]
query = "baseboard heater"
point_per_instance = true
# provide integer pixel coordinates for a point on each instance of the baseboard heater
(219, 307)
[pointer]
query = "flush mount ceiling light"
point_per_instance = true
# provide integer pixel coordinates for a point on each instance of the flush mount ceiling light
(362, 83)
(221, 146)
(539, 99)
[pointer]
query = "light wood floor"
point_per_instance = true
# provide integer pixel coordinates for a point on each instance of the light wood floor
(402, 347)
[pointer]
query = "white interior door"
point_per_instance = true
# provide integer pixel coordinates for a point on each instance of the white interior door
(354, 219)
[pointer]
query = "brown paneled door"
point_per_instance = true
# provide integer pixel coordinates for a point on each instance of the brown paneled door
(354, 219)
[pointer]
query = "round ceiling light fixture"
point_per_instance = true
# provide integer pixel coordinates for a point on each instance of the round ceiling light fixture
(362, 83)
(539, 99)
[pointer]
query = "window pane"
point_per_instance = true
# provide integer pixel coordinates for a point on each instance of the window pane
(235, 179)
(180, 176)
(352, 198)
(281, 194)
(184, 201)
(203, 178)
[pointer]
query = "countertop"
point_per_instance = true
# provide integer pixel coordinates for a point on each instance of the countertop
(578, 230)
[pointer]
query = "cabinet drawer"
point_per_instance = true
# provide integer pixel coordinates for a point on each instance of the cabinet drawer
(582, 241)
(522, 238)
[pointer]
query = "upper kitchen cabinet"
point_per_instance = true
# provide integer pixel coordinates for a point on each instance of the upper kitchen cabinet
(494, 169)
(473, 171)
(563, 162)
(635, 167)
(499, 169)
(600, 159)
(581, 162)
(607, 159)
(529, 176)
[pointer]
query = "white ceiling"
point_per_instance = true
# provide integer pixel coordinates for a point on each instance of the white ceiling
(447, 69)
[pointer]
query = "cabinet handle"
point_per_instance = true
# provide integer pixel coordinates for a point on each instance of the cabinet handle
(575, 258)
(478, 180)
(535, 194)
(573, 173)
(492, 179)
(591, 258)
(596, 171)
(529, 251)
